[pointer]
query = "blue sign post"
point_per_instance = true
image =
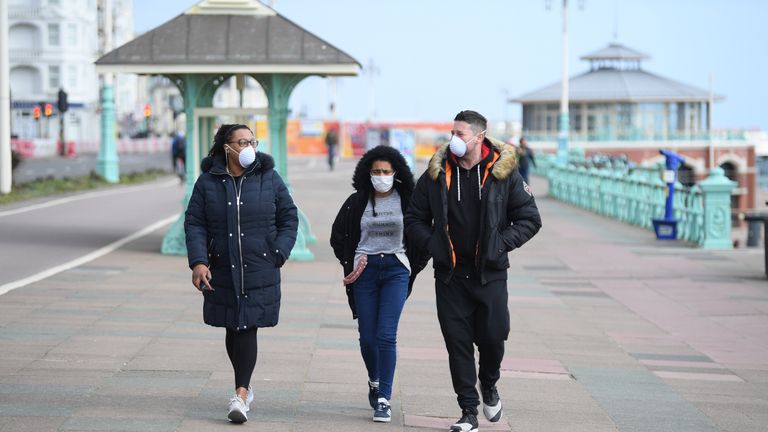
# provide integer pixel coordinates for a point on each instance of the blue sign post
(666, 228)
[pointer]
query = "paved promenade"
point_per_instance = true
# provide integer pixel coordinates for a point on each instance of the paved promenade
(611, 331)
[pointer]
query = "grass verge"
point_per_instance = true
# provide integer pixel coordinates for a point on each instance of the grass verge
(51, 186)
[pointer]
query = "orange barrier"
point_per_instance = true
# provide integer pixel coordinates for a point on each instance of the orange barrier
(307, 137)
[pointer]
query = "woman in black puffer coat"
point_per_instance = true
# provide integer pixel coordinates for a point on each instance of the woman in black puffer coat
(240, 228)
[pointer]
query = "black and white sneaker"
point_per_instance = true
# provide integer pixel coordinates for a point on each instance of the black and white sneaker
(491, 403)
(467, 422)
(383, 412)
(373, 393)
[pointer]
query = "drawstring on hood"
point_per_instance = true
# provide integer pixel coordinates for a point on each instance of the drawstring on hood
(479, 181)
(458, 179)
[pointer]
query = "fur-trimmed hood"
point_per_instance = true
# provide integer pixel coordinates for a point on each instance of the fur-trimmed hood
(217, 165)
(501, 169)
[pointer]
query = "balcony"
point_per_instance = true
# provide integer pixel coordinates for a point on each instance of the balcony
(25, 10)
(25, 55)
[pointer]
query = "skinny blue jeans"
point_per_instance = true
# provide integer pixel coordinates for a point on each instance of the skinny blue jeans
(380, 294)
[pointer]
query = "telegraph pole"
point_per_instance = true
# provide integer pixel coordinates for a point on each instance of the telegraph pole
(5, 104)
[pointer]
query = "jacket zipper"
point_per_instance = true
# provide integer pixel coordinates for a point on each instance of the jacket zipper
(239, 234)
(445, 195)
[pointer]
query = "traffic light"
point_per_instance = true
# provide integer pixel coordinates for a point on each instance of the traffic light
(147, 110)
(48, 109)
(36, 110)
(62, 103)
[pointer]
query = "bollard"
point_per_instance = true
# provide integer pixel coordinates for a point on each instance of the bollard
(717, 210)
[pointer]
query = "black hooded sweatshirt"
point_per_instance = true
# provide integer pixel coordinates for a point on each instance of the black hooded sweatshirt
(464, 196)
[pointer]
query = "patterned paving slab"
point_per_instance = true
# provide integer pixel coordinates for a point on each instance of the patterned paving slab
(630, 397)
(442, 423)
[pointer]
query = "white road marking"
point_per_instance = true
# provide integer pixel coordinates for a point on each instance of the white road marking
(88, 257)
(86, 196)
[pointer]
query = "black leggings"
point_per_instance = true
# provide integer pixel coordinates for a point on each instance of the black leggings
(242, 348)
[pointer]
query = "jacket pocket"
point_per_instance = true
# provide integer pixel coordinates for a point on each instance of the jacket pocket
(441, 256)
(496, 252)
(274, 253)
(214, 253)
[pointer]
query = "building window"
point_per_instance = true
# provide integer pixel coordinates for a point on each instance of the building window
(72, 79)
(72, 34)
(576, 122)
(54, 39)
(54, 77)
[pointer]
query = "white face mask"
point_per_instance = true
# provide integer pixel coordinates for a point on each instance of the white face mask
(383, 184)
(458, 146)
(246, 156)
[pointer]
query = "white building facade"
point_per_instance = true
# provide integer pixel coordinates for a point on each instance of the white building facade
(53, 45)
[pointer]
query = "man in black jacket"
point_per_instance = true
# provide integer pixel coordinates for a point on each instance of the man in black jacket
(469, 210)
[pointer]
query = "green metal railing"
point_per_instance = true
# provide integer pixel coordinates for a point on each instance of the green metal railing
(637, 195)
(631, 135)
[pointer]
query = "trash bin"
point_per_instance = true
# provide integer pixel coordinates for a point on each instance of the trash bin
(754, 225)
(754, 230)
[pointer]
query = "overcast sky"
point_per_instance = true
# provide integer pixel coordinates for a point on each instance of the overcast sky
(437, 57)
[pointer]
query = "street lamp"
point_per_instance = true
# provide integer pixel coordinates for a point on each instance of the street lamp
(564, 123)
(505, 94)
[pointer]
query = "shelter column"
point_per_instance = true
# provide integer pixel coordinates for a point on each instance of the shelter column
(278, 88)
(197, 91)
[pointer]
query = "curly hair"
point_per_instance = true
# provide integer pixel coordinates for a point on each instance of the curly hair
(222, 136)
(361, 179)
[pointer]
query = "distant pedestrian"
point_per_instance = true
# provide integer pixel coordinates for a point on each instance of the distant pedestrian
(525, 158)
(469, 210)
(241, 225)
(332, 142)
(379, 263)
(179, 155)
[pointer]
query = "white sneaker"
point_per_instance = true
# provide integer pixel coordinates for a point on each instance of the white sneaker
(248, 399)
(237, 410)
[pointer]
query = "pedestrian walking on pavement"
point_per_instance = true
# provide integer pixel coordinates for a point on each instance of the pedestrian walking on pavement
(179, 155)
(240, 226)
(380, 266)
(332, 142)
(469, 209)
(525, 158)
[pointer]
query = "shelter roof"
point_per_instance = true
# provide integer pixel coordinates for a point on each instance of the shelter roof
(229, 36)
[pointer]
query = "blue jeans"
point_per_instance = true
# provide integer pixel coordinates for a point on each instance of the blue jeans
(380, 293)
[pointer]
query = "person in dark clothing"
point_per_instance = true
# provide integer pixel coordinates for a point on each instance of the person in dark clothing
(368, 239)
(468, 211)
(332, 141)
(240, 226)
(179, 155)
(525, 158)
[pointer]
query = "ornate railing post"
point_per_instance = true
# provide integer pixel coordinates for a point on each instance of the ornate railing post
(717, 210)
